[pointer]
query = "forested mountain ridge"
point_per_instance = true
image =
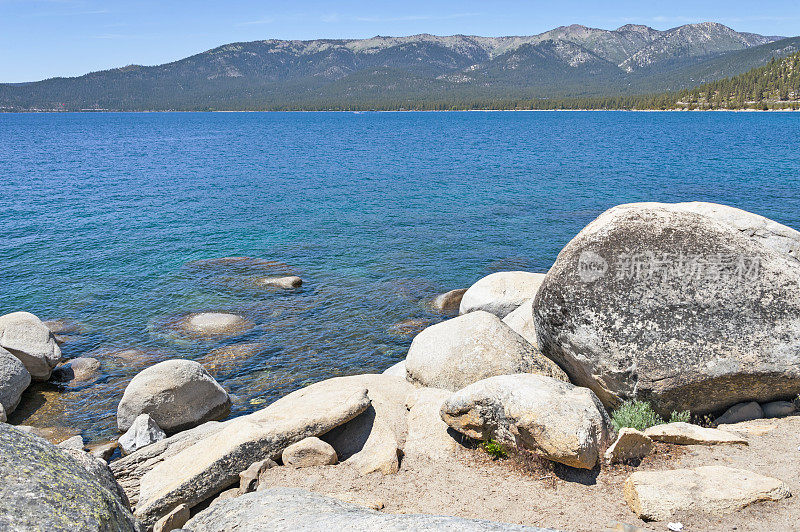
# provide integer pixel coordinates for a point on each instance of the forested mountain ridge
(417, 72)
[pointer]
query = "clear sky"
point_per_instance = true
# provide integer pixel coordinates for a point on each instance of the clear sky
(46, 38)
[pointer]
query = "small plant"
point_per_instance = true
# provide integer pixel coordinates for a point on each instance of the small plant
(494, 449)
(635, 414)
(684, 416)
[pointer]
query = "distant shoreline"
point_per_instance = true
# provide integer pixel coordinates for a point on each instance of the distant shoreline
(51, 111)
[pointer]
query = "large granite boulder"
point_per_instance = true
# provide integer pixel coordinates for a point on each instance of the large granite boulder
(429, 438)
(468, 348)
(448, 301)
(45, 488)
(26, 337)
(296, 509)
(14, 378)
(562, 422)
(194, 466)
(685, 310)
(177, 394)
(501, 292)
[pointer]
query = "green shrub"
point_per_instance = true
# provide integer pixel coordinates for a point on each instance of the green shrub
(684, 416)
(494, 449)
(635, 414)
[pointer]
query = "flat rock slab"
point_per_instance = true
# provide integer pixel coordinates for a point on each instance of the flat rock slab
(687, 434)
(629, 445)
(290, 509)
(212, 463)
(657, 495)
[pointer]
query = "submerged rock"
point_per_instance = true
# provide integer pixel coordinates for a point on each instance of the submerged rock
(177, 394)
(562, 422)
(501, 293)
(655, 302)
(295, 509)
(227, 360)
(214, 324)
(14, 379)
(46, 488)
(309, 452)
(80, 369)
(25, 336)
(468, 348)
(286, 283)
(657, 495)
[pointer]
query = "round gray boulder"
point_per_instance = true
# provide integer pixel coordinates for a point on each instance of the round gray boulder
(26, 337)
(177, 394)
(683, 309)
(501, 292)
(46, 488)
(468, 348)
(14, 378)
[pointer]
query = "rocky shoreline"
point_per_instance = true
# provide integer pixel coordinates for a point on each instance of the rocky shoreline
(690, 309)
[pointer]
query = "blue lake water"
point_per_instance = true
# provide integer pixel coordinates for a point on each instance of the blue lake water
(377, 212)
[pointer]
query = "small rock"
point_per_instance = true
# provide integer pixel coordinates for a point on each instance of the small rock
(308, 453)
(657, 495)
(75, 442)
(741, 412)
(468, 348)
(449, 301)
(3, 417)
(675, 527)
(630, 445)
(177, 394)
(249, 478)
(286, 283)
(103, 451)
(358, 500)
(502, 292)
(687, 434)
(78, 369)
(778, 409)
(143, 432)
(25, 336)
(173, 520)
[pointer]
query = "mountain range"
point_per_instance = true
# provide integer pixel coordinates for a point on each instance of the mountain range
(421, 71)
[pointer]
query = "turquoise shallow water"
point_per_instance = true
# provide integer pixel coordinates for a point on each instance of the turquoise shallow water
(378, 212)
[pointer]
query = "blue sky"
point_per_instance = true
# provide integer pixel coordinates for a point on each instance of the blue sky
(46, 38)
